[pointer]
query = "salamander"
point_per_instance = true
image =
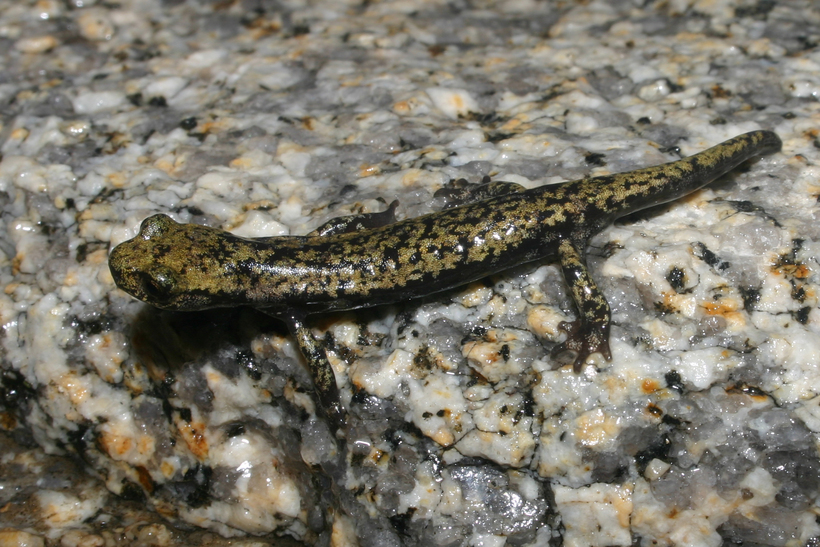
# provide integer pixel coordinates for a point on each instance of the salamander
(368, 260)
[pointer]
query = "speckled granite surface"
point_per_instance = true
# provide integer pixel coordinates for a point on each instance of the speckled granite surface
(269, 118)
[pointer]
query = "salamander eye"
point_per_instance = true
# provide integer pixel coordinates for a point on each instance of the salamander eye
(156, 226)
(158, 285)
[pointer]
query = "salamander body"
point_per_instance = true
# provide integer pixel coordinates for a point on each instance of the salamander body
(369, 260)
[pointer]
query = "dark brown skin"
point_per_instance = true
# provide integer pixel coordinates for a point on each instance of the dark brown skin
(366, 260)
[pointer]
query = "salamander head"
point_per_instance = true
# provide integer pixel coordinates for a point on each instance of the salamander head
(170, 265)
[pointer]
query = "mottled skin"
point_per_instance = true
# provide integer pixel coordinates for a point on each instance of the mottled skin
(359, 263)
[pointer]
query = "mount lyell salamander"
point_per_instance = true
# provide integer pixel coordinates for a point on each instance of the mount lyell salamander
(367, 260)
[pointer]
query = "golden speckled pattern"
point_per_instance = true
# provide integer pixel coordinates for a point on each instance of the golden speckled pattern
(190, 267)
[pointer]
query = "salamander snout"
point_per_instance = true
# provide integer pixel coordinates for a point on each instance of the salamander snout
(155, 285)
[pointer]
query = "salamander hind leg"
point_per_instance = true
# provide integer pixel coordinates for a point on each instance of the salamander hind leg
(461, 192)
(590, 333)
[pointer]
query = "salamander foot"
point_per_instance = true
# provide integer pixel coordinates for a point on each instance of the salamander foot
(583, 340)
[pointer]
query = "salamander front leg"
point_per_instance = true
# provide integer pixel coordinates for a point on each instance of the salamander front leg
(324, 381)
(590, 333)
(354, 223)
